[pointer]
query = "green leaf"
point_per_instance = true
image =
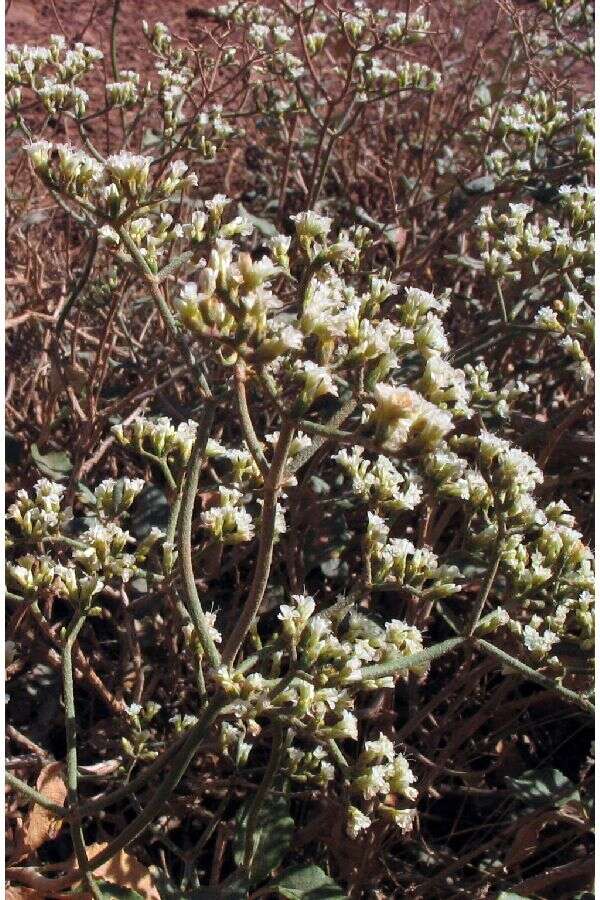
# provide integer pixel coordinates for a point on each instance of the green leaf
(273, 835)
(150, 509)
(308, 883)
(464, 260)
(266, 228)
(13, 449)
(541, 786)
(508, 895)
(56, 464)
(85, 495)
(237, 888)
(165, 886)
(318, 485)
(150, 139)
(116, 892)
(482, 185)
(483, 95)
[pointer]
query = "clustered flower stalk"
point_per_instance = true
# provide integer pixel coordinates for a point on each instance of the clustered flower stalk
(304, 357)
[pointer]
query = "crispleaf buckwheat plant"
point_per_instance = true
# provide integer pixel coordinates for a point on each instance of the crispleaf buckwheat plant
(291, 545)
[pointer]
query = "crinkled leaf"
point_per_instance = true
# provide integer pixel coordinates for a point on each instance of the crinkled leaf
(319, 486)
(56, 464)
(150, 139)
(85, 495)
(124, 876)
(395, 236)
(41, 824)
(273, 835)
(308, 883)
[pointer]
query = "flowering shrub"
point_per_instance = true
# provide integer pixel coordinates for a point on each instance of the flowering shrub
(301, 524)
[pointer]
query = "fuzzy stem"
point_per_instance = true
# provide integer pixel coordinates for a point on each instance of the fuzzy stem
(167, 316)
(246, 421)
(486, 586)
(336, 419)
(265, 549)
(532, 675)
(190, 488)
(77, 838)
(401, 663)
(113, 39)
(59, 811)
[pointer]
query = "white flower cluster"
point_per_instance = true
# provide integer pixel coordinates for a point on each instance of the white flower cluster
(316, 700)
(380, 484)
(97, 556)
(548, 567)
(39, 516)
(28, 67)
(158, 436)
(312, 767)
(396, 562)
(116, 185)
(210, 131)
(124, 92)
(484, 396)
(380, 771)
(408, 76)
(402, 416)
(114, 496)
(229, 522)
(524, 133)
(372, 37)
(513, 247)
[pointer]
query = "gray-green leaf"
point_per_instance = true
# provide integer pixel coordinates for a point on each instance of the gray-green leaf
(112, 891)
(308, 883)
(266, 228)
(273, 835)
(508, 895)
(56, 464)
(541, 786)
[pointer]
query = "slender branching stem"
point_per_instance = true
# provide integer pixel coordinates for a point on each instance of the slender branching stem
(153, 283)
(190, 488)
(265, 548)
(517, 666)
(59, 811)
(79, 286)
(246, 421)
(415, 661)
(487, 585)
(113, 39)
(73, 630)
(181, 761)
